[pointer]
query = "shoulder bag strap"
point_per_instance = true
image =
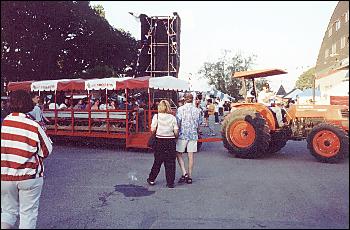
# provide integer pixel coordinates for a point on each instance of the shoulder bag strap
(157, 123)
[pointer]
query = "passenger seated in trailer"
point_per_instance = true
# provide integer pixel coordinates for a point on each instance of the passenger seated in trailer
(53, 105)
(112, 104)
(103, 105)
(96, 105)
(66, 104)
(80, 105)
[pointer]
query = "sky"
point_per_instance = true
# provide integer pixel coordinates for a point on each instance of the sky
(283, 35)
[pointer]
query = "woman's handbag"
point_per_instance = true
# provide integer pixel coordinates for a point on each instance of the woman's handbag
(152, 140)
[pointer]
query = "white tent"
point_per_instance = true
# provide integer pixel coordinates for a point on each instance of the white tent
(293, 94)
(307, 95)
(169, 83)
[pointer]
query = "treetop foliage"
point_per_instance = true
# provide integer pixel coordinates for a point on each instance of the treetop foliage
(219, 73)
(305, 80)
(42, 40)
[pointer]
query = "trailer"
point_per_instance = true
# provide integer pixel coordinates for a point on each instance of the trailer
(132, 124)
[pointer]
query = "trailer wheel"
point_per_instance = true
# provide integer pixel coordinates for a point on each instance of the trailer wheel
(328, 143)
(245, 134)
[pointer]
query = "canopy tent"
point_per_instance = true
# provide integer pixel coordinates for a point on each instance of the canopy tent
(23, 85)
(163, 83)
(309, 93)
(251, 74)
(293, 94)
(223, 96)
(104, 83)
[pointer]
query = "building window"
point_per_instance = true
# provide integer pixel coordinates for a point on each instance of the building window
(337, 25)
(342, 42)
(346, 16)
(326, 53)
(330, 32)
(334, 48)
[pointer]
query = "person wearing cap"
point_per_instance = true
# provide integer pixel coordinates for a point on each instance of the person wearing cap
(188, 118)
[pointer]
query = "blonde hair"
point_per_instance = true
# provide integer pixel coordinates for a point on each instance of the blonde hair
(164, 107)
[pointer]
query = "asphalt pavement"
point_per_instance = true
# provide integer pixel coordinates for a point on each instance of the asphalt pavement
(104, 186)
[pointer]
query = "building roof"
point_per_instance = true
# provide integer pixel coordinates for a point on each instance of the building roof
(281, 91)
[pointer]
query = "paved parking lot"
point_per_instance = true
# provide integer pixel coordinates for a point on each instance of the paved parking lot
(102, 186)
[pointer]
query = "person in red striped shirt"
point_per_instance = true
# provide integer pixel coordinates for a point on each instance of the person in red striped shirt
(24, 145)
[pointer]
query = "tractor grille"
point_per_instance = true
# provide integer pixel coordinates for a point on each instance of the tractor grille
(345, 113)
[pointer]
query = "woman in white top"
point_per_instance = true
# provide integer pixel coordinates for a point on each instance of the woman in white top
(166, 128)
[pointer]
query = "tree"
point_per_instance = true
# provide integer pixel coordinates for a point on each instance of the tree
(305, 81)
(100, 10)
(219, 73)
(259, 84)
(60, 39)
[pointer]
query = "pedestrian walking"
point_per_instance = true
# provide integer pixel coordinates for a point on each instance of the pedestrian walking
(37, 113)
(165, 126)
(188, 118)
(216, 112)
(24, 145)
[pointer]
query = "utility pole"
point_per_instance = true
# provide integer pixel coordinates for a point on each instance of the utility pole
(313, 87)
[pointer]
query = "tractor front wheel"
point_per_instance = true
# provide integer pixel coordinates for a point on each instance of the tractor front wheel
(328, 143)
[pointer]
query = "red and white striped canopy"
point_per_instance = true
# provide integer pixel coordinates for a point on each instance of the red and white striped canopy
(162, 83)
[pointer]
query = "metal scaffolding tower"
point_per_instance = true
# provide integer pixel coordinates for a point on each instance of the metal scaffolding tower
(160, 51)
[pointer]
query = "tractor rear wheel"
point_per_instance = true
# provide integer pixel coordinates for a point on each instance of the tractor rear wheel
(328, 143)
(246, 134)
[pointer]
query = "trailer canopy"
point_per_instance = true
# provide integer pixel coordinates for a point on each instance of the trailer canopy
(162, 83)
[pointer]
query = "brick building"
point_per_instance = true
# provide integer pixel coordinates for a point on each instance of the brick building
(332, 66)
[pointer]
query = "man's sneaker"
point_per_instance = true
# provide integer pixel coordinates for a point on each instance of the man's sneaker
(150, 182)
(170, 185)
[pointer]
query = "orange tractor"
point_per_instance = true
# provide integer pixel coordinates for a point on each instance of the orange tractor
(251, 130)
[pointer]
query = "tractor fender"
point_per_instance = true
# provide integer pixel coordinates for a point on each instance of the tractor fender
(263, 110)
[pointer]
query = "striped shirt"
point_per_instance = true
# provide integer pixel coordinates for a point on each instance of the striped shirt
(165, 124)
(24, 145)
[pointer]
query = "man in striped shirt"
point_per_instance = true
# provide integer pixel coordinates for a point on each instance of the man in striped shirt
(24, 145)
